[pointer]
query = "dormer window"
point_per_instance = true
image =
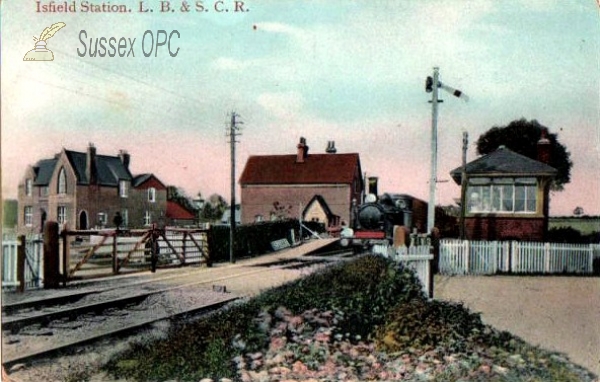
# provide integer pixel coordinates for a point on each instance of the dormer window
(123, 188)
(62, 182)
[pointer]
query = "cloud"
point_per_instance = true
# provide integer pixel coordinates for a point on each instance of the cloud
(286, 105)
(227, 63)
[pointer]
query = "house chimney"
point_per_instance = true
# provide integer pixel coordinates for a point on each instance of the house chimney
(302, 151)
(544, 148)
(331, 147)
(90, 164)
(125, 157)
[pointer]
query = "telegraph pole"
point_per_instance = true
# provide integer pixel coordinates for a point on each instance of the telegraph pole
(433, 175)
(232, 133)
(463, 185)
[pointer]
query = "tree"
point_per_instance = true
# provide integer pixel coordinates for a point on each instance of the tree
(177, 195)
(578, 211)
(213, 208)
(521, 136)
(281, 212)
(10, 213)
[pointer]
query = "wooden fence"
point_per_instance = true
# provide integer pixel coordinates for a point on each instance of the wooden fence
(33, 261)
(458, 257)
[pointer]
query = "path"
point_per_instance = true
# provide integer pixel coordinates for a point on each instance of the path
(557, 313)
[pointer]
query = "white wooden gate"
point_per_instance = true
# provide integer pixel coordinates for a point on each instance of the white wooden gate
(34, 257)
(417, 258)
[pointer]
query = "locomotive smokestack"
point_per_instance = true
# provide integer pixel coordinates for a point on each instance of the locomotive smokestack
(373, 185)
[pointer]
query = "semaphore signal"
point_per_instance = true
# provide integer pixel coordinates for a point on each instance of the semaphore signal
(432, 84)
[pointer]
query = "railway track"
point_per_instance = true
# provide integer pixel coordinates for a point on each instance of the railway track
(41, 329)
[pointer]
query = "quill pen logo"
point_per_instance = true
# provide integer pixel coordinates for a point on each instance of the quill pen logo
(41, 53)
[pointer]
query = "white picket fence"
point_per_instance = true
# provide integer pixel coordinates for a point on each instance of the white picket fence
(34, 251)
(462, 257)
(417, 258)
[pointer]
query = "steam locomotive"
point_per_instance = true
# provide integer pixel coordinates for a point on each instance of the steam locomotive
(373, 221)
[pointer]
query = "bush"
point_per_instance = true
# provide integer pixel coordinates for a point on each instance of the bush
(364, 290)
(420, 323)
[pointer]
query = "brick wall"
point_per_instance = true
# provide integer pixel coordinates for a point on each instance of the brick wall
(258, 200)
(504, 228)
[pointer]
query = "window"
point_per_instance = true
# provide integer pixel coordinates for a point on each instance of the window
(61, 214)
(147, 218)
(62, 181)
(123, 188)
(44, 191)
(125, 216)
(102, 218)
(28, 187)
(258, 218)
(510, 195)
(28, 215)
(152, 194)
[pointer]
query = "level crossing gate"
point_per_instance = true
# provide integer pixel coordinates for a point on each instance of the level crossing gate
(60, 256)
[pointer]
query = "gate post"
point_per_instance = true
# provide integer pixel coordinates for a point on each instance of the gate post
(21, 263)
(115, 259)
(51, 255)
(183, 252)
(66, 254)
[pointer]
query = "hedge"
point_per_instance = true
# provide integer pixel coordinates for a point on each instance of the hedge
(255, 239)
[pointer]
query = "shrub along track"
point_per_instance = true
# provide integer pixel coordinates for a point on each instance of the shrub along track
(66, 322)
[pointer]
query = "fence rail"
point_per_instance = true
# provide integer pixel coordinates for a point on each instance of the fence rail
(489, 257)
(94, 253)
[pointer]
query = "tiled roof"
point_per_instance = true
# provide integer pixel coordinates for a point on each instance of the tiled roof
(316, 168)
(177, 211)
(140, 179)
(505, 161)
(43, 171)
(110, 169)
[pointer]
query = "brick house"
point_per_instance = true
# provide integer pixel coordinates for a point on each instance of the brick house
(507, 195)
(85, 190)
(282, 186)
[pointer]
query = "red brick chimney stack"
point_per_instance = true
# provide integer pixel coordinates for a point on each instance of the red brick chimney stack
(302, 152)
(544, 148)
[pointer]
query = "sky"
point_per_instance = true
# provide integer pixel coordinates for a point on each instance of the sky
(352, 72)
